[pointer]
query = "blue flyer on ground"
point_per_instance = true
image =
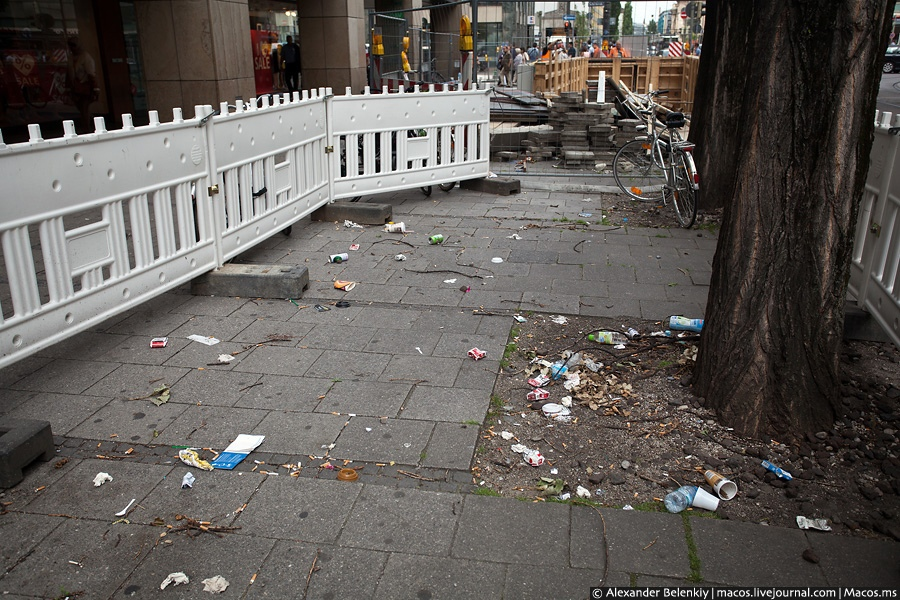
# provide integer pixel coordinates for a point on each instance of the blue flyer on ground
(237, 451)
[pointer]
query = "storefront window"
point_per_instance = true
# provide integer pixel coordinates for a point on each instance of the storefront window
(270, 24)
(45, 53)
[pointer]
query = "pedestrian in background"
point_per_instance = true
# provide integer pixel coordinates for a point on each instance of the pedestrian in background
(290, 57)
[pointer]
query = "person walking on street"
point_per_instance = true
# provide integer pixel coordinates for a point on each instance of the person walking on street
(520, 59)
(533, 53)
(290, 56)
(505, 66)
(618, 50)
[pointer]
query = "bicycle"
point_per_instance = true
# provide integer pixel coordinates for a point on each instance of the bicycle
(659, 166)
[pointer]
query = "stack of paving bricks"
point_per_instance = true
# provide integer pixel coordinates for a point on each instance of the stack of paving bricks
(628, 131)
(541, 145)
(602, 132)
(586, 129)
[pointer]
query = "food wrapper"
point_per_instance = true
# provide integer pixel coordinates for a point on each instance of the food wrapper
(190, 457)
(344, 285)
(820, 524)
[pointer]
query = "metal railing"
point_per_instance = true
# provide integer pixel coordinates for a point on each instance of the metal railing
(93, 225)
(875, 268)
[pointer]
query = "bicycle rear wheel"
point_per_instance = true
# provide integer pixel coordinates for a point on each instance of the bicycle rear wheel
(637, 173)
(684, 196)
(447, 186)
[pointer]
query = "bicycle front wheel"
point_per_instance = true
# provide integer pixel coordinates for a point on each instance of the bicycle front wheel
(684, 196)
(638, 173)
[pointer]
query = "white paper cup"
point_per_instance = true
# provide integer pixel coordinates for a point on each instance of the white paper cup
(705, 500)
(725, 488)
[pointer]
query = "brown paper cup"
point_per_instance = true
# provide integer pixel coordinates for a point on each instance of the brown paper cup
(725, 488)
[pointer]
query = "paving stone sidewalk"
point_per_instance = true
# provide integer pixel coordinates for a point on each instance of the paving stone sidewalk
(383, 385)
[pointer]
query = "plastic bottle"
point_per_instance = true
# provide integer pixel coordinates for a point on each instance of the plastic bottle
(777, 470)
(685, 324)
(680, 499)
(608, 337)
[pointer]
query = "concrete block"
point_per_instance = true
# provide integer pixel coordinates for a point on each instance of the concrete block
(497, 185)
(859, 325)
(367, 213)
(22, 441)
(253, 281)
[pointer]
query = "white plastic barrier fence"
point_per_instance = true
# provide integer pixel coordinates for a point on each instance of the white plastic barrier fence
(875, 270)
(94, 225)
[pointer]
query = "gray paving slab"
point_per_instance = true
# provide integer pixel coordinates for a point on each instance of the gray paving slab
(210, 426)
(215, 496)
(87, 345)
(552, 302)
(276, 360)
(136, 349)
(478, 374)
(65, 376)
(130, 421)
(512, 531)
(338, 337)
(12, 399)
(299, 509)
(370, 439)
(340, 572)
(195, 355)
(538, 582)
(609, 307)
(491, 300)
(134, 381)
(82, 556)
(21, 533)
(847, 561)
(437, 371)
(338, 364)
(267, 309)
(299, 433)
(402, 520)
(647, 543)
(212, 387)
(21, 369)
(223, 328)
(234, 557)
(214, 306)
(64, 411)
(418, 296)
(403, 341)
(763, 552)
(269, 331)
(149, 324)
(587, 542)
(76, 496)
(451, 446)
(281, 392)
(454, 405)
(366, 398)
(413, 576)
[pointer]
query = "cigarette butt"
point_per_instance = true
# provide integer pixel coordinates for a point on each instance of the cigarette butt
(253, 579)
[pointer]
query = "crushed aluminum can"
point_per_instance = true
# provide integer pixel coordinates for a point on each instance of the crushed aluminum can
(534, 458)
(436, 239)
(395, 227)
(477, 354)
(537, 394)
(159, 342)
(539, 381)
(339, 258)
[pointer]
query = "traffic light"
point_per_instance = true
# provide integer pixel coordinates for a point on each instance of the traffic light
(691, 10)
(568, 27)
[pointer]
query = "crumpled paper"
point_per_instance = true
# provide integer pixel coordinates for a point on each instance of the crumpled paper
(190, 457)
(188, 480)
(174, 579)
(102, 478)
(820, 524)
(215, 585)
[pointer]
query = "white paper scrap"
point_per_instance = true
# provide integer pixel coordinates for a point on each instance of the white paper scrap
(203, 339)
(175, 579)
(215, 585)
(101, 478)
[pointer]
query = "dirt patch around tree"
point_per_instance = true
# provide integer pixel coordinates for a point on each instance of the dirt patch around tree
(636, 431)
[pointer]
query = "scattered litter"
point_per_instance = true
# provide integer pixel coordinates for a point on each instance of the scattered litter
(465, 289)
(348, 475)
(208, 340)
(554, 471)
(342, 304)
(477, 354)
(190, 457)
(124, 511)
(820, 524)
(188, 480)
(777, 470)
(354, 247)
(537, 394)
(419, 350)
(559, 320)
(491, 175)
(514, 236)
(400, 257)
(225, 359)
(572, 382)
(178, 578)
(350, 224)
(550, 487)
(101, 478)
(368, 429)
(520, 318)
(632, 334)
(344, 285)
(451, 281)
(395, 227)
(215, 585)
(159, 342)
(566, 401)
(556, 412)
(506, 435)
(320, 308)
(686, 324)
(532, 457)
(582, 492)
(590, 364)
(539, 381)
(585, 214)
(565, 496)
(436, 239)
(497, 260)
(339, 258)
(237, 451)
(627, 507)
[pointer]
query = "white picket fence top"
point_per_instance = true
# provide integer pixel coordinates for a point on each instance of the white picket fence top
(94, 225)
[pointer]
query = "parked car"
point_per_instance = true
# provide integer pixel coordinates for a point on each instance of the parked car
(891, 60)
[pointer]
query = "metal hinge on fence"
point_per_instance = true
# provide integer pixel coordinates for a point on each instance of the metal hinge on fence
(213, 189)
(329, 149)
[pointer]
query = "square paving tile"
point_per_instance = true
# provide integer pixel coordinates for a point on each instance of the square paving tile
(279, 392)
(65, 376)
(512, 531)
(386, 318)
(299, 433)
(628, 534)
(299, 509)
(64, 411)
(273, 360)
(456, 405)
(560, 582)
(365, 398)
(131, 421)
(402, 341)
(850, 561)
(21, 533)
(135, 381)
(211, 426)
(407, 520)
(265, 331)
(212, 387)
(423, 369)
(414, 576)
(368, 439)
(338, 337)
(451, 446)
(336, 364)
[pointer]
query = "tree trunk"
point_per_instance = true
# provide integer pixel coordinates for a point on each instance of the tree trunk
(795, 89)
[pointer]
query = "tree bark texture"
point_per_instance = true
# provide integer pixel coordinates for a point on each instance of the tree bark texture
(703, 113)
(794, 98)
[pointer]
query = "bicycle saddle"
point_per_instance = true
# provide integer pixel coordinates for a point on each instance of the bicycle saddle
(675, 120)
